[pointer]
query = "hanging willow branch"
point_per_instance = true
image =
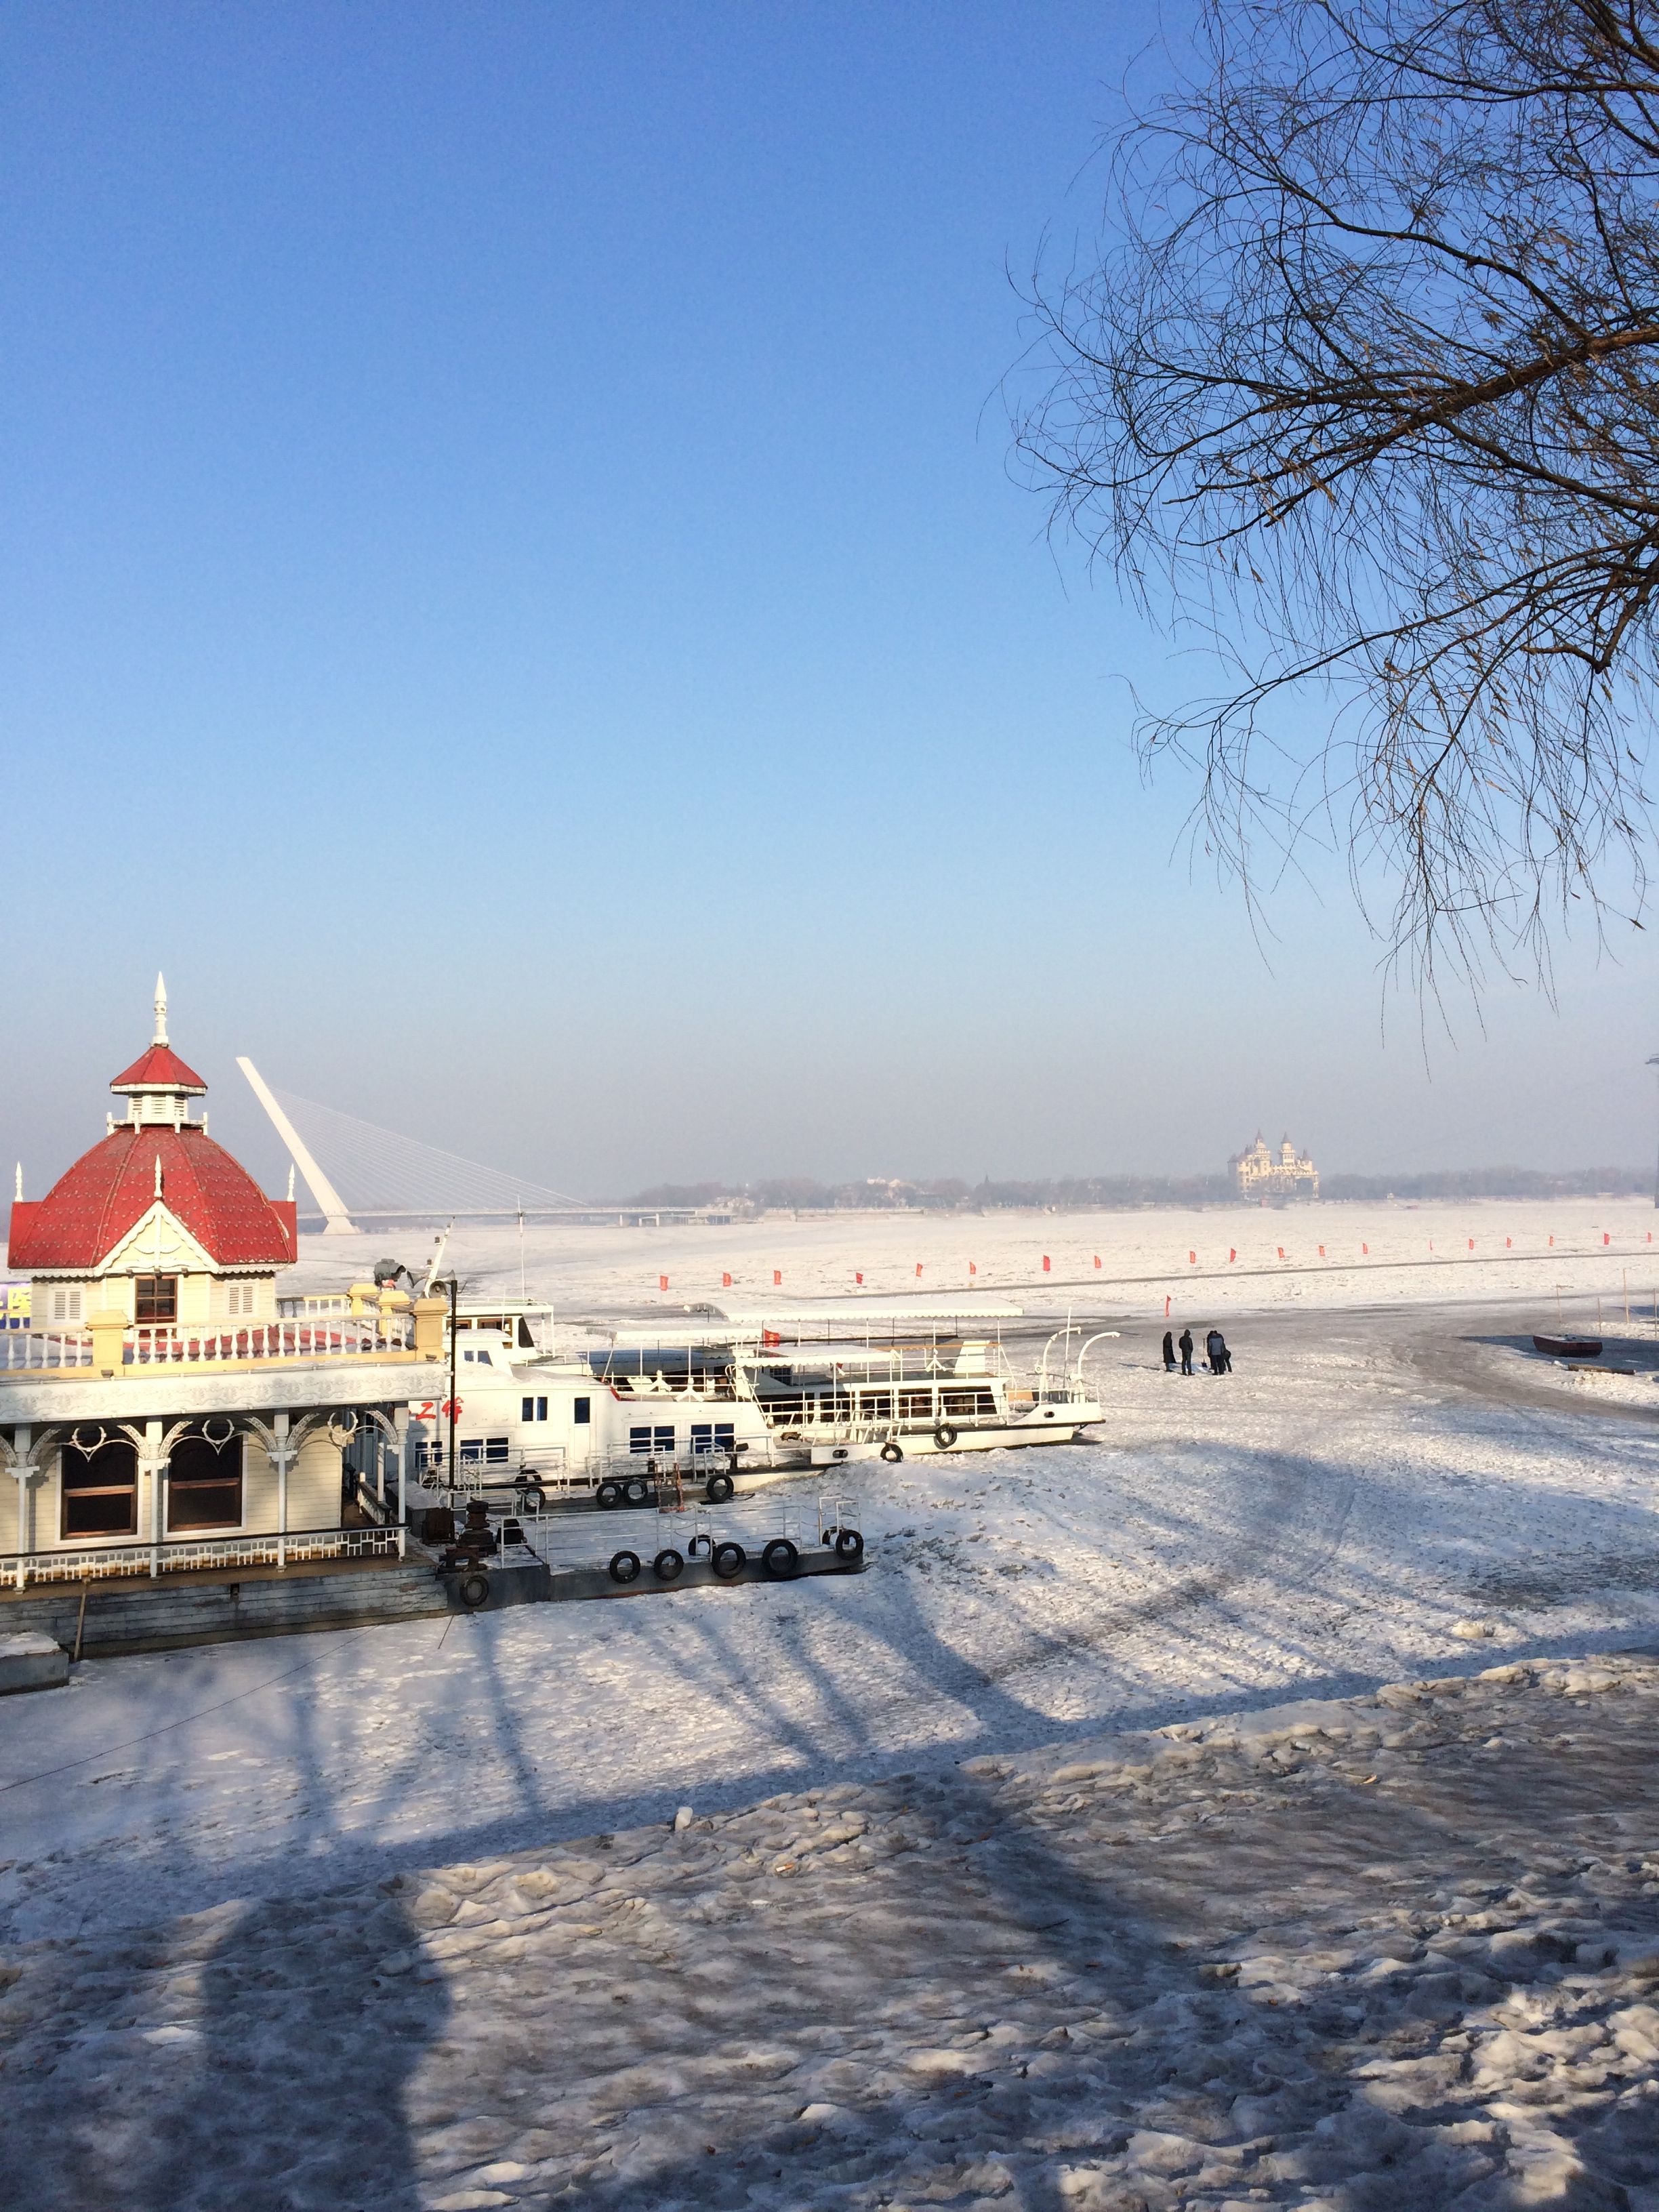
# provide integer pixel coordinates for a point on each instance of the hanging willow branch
(1365, 387)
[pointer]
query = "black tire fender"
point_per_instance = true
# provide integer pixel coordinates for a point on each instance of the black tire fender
(533, 1500)
(850, 1544)
(606, 1496)
(718, 1489)
(473, 1590)
(668, 1565)
(944, 1435)
(637, 1491)
(701, 1542)
(728, 1559)
(893, 1453)
(624, 1566)
(780, 1559)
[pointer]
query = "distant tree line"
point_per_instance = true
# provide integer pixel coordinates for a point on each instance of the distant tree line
(1077, 1194)
(1494, 1183)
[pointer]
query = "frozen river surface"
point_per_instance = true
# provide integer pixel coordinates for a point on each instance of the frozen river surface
(1330, 1516)
(397, 1918)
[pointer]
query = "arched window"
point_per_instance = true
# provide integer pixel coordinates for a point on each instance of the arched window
(205, 1485)
(99, 1490)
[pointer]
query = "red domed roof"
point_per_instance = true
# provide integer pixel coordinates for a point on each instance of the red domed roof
(89, 1211)
(161, 1069)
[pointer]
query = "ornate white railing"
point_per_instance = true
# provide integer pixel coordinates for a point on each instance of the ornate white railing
(95, 1562)
(53, 1351)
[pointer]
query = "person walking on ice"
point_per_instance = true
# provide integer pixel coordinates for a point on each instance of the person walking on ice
(1186, 1351)
(1169, 1351)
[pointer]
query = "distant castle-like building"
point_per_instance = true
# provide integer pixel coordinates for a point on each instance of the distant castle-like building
(1260, 1174)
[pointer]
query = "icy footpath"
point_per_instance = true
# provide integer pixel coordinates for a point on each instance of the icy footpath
(1399, 1951)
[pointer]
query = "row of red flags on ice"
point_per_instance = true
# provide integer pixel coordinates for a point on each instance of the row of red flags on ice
(1192, 1260)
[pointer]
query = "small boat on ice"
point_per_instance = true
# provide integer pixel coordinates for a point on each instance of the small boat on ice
(1568, 1348)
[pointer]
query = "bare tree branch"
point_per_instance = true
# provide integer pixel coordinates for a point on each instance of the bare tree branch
(1364, 390)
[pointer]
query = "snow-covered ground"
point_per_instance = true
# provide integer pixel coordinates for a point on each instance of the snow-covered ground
(1385, 1490)
(1401, 1952)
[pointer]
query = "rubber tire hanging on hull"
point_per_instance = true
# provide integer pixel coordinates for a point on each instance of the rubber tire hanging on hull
(624, 1567)
(718, 1489)
(728, 1561)
(667, 1565)
(893, 1453)
(850, 1544)
(780, 1559)
(473, 1590)
(944, 1435)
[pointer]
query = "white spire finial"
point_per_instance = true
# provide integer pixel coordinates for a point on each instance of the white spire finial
(158, 1162)
(290, 1183)
(161, 1037)
(18, 1191)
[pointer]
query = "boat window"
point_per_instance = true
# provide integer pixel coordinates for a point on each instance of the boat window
(581, 1416)
(876, 1404)
(497, 1449)
(472, 1451)
(483, 1357)
(916, 1404)
(535, 1409)
(967, 1403)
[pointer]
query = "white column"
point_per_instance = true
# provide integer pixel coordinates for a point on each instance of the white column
(154, 1463)
(21, 1468)
(283, 1454)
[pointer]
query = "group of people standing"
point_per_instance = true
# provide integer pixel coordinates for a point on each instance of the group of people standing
(1217, 1359)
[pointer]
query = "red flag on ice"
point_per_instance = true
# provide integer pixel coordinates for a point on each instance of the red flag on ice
(1322, 1251)
(1470, 1244)
(662, 1282)
(1551, 1241)
(1281, 1251)
(726, 1282)
(972, 1269)
(1509, 1243)
(777, 1277)
(1097, 1259)
(918, 1266)
(1605, 1238)
(1232, 1255)
(1192, 1259)
(1046, 1268)
(1366, 1249)
(1166, 1306)
(858, 1279)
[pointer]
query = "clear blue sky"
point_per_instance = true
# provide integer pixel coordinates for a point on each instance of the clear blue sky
(513, 595)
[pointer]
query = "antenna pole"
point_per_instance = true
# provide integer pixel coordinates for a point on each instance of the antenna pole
(454, 1289)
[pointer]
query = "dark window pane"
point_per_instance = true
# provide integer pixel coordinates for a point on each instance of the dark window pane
(157, 1298)
(205, 1485)
(582, 1415)
(99, 1490)
(497, 1450)
(529, 1411)
(541, 1409)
